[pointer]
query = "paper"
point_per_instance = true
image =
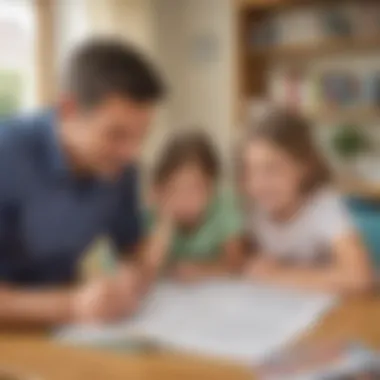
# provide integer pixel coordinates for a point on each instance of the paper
(222, 318)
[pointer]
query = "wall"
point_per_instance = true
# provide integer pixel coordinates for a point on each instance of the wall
(72, 25)
(196, 44)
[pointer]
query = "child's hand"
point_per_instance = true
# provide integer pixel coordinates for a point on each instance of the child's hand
(187, 272)
(158, 244)
(261, 268)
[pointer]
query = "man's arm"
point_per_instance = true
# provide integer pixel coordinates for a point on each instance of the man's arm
(21, 306)
(101, 300)
(35, 307)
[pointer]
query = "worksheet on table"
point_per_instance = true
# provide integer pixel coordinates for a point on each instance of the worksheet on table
(222, 318)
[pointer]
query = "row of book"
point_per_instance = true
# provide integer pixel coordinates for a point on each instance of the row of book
(315, 23)
(330, 89)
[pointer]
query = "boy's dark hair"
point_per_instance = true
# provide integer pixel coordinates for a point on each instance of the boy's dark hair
(292, 133)
(187, 148)
(104, 67)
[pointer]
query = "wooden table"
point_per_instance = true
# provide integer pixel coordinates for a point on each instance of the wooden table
(31, 353)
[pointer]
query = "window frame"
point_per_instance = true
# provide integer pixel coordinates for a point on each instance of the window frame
(45, 48)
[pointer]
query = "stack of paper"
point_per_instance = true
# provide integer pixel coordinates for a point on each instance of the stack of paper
(224, 318)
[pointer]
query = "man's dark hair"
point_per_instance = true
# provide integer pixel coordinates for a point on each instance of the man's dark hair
(104, 67)
(187, 148)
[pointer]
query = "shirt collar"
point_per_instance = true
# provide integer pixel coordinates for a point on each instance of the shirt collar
(56, 159)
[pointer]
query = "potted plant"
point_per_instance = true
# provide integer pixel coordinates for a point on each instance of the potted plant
(352, 146)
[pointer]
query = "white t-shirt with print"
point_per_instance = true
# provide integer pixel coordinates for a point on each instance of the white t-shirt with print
(308, 236)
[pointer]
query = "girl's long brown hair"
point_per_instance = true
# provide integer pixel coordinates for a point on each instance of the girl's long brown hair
(292, 133)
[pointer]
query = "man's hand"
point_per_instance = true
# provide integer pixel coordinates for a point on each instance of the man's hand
(106, 299)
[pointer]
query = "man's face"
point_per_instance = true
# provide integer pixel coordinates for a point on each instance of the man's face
(108, 137)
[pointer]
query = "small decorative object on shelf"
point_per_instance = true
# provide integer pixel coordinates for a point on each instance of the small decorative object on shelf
(340, 88)
(294, 83)
(264, 34)
(365, 18)
(336, 22)
(372, 89)
(349, 141)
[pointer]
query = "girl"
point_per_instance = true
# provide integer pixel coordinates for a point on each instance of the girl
(194, 228)
(302, 230)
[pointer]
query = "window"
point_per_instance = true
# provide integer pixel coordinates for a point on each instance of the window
(18, 58)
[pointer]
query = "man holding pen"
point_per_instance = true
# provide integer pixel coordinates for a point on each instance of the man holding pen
(67, 176)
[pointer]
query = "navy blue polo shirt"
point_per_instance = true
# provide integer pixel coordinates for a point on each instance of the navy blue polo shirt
(48, 216)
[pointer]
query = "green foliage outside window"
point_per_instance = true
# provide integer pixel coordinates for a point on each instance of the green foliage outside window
(10, 92)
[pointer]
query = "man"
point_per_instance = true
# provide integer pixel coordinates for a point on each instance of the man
(67, 177)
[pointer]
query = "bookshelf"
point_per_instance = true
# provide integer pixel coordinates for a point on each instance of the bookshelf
(256, 60)
(357, 114)
(272, 4)
(336, 46)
